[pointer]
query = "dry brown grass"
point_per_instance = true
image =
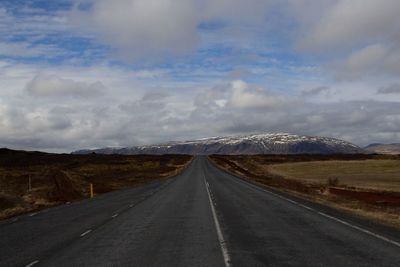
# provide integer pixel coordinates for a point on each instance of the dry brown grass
(365, 185)
(366, 174)
(60, 178)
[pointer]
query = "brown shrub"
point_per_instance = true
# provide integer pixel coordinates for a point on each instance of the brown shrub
(333, 181)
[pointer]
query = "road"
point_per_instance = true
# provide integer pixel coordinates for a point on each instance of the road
(203, 217)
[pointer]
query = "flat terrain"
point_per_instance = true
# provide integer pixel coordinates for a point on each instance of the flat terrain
(366, 185)
(369, 174)
(60, 178)
(202, 217)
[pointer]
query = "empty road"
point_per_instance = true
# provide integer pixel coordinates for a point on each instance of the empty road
(203, 217)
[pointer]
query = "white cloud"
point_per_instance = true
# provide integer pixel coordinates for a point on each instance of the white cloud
(157, 115)
(153, 30)
(140, 29)
(245, 96)
(374, 60)
(356, 38)
(347, 23)
(54, 86)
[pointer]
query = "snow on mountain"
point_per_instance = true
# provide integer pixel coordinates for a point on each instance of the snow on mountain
(268, 143)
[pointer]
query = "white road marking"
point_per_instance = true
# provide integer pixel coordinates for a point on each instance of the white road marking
(33, 214)
(306, 207)
(85, 233)
(361, 229)
(115, 215)
(221, 239)
(378, 236)
(32, 263)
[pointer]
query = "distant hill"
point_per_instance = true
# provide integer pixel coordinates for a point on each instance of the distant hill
(7, 151)
(270, 143)
(390, 149)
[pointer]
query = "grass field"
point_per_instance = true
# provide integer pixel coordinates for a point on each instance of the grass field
(369, 174)
(60, 178)
(366, 185)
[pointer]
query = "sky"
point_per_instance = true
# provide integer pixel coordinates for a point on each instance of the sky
(78, 74)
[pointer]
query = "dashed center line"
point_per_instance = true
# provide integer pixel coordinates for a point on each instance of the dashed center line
(115, 215)
(85, 233)
(32, 263)
(33, 214)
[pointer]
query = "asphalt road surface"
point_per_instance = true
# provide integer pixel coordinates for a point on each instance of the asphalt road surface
(203, 217)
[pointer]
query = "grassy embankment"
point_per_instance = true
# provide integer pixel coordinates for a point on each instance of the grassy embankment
(365, 185)
(60, 178)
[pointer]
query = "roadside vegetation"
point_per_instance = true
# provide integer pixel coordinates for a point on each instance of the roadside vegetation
(31, 181)
(362, 174)
(365, 185)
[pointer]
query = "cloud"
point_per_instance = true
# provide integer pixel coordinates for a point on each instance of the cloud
(156, 30)
(355, 38)
(245, 96)
(228, 67)
(26, 50)
(348, 23)
(391, 89)
(140, 29)
(316, 91)
(375, 59)
(154, 116)
(361, 122)
(154, 96)
(54, 86)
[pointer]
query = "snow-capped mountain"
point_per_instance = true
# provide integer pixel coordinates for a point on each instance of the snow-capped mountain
(270, 143)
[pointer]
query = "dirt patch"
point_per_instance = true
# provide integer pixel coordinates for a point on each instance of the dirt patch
(370, 197)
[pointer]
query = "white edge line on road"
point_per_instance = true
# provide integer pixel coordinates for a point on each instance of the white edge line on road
(33, 214)
(115, 215)
(383, 238)
(221, 239)
(361, 229)
(85, 233)
(32, 263)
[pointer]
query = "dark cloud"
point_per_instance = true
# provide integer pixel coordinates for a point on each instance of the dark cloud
(154, 96)
(391, 89)
(316, 91)
(53, 86)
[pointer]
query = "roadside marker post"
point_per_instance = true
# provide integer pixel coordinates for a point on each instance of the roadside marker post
(29, 183)
(91, 190)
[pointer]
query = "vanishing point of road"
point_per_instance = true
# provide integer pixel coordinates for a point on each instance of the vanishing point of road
(202, 217)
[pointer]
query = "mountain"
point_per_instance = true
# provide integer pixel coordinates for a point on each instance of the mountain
(391, 149)
(279, 143)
